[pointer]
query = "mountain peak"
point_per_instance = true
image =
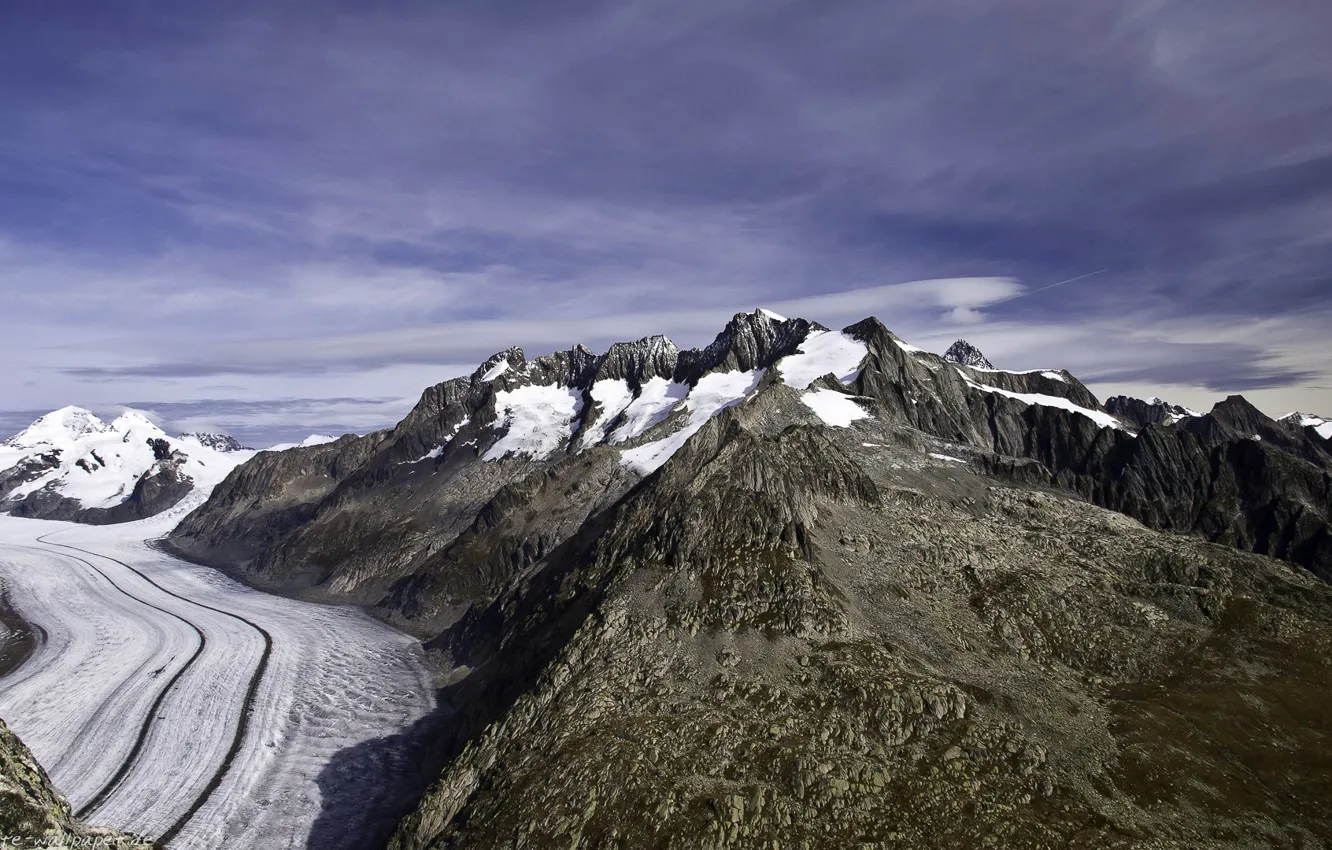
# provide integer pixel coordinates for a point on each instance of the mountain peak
(71, 465)
(639, 361)
(499, 363)
(130, 418)
(964, 353)
(748, 341)
(1236, 409)
(58, 427)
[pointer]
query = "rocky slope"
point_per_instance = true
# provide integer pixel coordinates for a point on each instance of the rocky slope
(34, 814)
(793, 639)
(1137, 413)
(822, 589)
(70, 465)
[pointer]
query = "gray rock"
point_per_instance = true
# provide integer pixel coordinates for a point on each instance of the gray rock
(34, 814)
(965, 354)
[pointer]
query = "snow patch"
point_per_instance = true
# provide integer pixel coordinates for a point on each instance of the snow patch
(439, 450)
(834, 408)
(938, 456)
(498, 369)
(613, 395)
(771, 315)
(1054, 376)
(1101, 418)
(1321, 426)
(821, 353)
(712, 394)
(538, 418)
(656, 400)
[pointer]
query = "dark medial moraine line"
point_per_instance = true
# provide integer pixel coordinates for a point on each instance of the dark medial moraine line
(118, 777)
(242, 725)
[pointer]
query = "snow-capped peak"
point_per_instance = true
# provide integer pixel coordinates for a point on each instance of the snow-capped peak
(72, 454)
(776, 317)
(57, 428)
(964, 353)
(135, 421)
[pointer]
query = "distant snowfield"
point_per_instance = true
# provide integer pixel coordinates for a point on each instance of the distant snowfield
(99, 464)
(321, 759)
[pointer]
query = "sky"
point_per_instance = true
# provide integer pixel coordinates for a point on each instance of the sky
(274, 219)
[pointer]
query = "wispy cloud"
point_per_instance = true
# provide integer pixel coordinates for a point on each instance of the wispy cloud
(299, 206)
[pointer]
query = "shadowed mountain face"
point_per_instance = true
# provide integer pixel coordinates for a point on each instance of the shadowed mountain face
(822, 588)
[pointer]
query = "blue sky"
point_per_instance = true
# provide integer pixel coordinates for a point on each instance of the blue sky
(281, 218)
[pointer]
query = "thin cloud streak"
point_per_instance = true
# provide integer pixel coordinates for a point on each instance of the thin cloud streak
(242, 191)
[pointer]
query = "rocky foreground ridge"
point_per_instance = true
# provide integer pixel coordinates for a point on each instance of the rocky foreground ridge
(813, 588)
(34, 814)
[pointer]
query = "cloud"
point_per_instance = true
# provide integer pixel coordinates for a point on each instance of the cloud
(471, 341)
(390, 195)
(964, 316)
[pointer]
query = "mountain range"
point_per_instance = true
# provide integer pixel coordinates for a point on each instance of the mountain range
(820, 588)
(608, 420)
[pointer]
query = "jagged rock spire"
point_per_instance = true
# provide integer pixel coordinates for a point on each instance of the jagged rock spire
(965, 354)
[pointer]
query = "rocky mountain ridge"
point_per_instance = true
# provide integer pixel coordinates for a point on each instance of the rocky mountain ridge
(470, 441)
(1139, 413)
(822, 588)
(217, 442)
